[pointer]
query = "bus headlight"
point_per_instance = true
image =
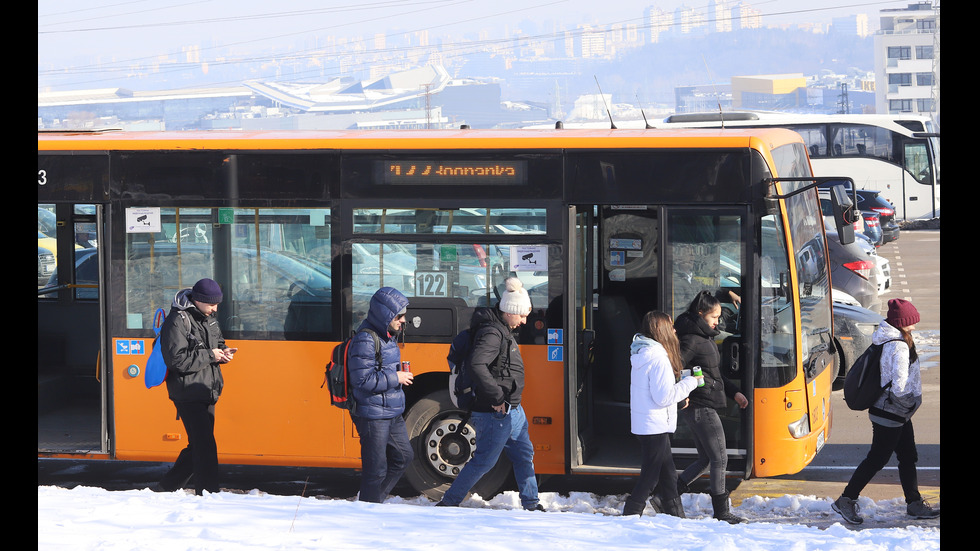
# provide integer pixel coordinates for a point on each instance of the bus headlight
(801, 428)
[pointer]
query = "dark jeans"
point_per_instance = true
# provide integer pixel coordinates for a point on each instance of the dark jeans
(200, 457)
(657, 471)
(709, 438)
(884, 441)
(385, 454)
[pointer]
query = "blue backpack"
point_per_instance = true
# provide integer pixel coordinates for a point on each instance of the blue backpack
(156, 369)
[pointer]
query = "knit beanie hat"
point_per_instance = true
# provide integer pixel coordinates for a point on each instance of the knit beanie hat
(901, 313)
(207, 291)
(514, 299)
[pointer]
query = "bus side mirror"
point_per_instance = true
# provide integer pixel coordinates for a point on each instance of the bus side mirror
(844, 214)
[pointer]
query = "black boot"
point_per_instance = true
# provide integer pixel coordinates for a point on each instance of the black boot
(720, 504)
(674, 507)
(633, 508)
(657, 503)
(682, 487)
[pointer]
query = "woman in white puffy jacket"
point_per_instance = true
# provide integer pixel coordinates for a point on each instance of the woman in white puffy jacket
(655, 388)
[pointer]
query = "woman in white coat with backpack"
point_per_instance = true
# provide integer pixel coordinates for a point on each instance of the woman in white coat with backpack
(891, 415)
(655, 388)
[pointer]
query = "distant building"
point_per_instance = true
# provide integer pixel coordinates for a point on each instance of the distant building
(159, 110)
(657, 22)
(769, 92)
(907, 60)
(851, 25)
(720, 15)
(703, 98)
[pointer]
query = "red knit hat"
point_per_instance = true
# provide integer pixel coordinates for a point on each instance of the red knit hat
(901, 313)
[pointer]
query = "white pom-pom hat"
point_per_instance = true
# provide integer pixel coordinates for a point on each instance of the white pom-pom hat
(515, 299)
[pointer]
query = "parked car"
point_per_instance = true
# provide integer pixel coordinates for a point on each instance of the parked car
(854, 271)
(872, 227)
(274, 291)
(45, 265)
(872, 201)
(867, 223)
(853, 327)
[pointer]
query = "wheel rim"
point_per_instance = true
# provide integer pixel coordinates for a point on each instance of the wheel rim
(447, 450)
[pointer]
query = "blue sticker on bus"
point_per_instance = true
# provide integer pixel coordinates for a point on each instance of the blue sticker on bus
(556, 336)
(133, 347)
(555, 354)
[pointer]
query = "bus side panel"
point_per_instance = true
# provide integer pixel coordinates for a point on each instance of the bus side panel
(272, 410)
(776, 450)
(544, 402)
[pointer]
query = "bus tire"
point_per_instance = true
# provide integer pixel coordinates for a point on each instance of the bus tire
(440, 451)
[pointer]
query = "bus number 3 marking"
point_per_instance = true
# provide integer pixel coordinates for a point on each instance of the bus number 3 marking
(431, 285)
(42, 177)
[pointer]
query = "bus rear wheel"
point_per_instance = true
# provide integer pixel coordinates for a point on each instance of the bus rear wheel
(442, 448)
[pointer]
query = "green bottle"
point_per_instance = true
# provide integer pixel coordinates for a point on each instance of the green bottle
(697, 373)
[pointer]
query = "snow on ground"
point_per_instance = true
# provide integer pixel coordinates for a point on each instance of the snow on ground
(93, 518)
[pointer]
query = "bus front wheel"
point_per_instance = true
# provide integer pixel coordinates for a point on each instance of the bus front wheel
(442, 448)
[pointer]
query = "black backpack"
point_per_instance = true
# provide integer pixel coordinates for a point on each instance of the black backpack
(336, 375)
(862, 385)
(462, 391)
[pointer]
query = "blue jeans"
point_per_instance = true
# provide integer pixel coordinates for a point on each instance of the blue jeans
(709, 438)
(495, 433)
(385, 454)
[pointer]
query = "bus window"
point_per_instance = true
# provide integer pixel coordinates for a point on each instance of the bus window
(707, 253)
(450, 221)
(862, 141)
(917, 161)
(469, 271)
(47, 245)
(274, 265)
(778, 337)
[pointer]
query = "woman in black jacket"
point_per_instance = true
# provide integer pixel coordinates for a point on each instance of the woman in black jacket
(696, 329)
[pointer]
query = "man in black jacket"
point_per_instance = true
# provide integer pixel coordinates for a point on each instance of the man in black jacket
(498, 378)
(193, 349)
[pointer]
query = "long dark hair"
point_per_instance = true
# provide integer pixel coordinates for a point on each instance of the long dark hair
(907, 337)
(659, 327)
(703, 303)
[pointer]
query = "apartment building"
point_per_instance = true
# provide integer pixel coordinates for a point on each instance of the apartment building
(907, 60)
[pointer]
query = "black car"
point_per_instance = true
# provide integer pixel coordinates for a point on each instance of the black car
(872, 201)
(853, 327)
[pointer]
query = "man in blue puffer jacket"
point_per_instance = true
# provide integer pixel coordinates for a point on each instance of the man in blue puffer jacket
(379, 400)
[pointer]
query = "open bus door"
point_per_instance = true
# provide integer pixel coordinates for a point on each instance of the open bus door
(71, 332)
(625, 261)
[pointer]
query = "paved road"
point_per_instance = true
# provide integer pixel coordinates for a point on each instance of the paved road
(915, 276)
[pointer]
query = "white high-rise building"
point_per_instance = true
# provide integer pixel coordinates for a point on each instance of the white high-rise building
(907, 60)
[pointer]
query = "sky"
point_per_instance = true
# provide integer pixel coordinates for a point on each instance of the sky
(87, 518)
(73, 34)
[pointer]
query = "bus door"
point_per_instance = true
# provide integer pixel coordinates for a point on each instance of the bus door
(71, 336)
(615, 273)
(627, 260)
(706, 250)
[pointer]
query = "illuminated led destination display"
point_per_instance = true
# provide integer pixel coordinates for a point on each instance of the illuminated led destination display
(473, 173)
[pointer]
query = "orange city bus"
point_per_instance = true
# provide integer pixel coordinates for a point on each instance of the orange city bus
(300, 229)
